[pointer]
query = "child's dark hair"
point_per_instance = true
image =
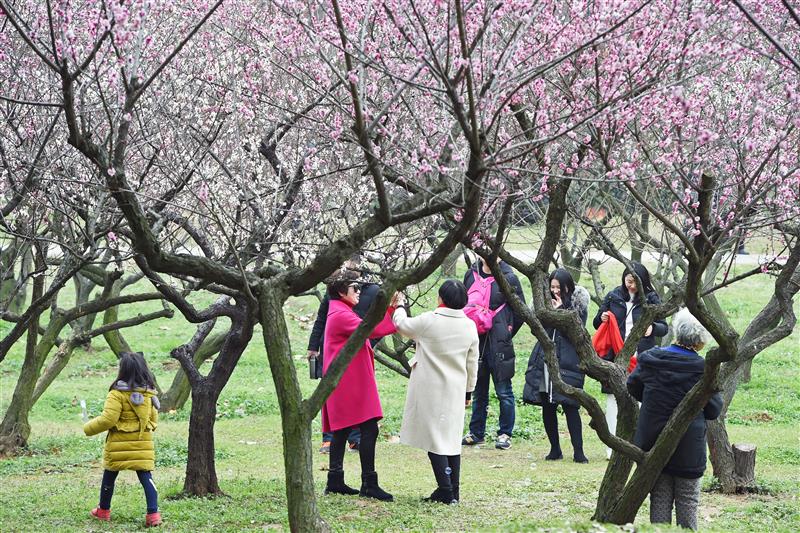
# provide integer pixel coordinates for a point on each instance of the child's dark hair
(133, 371)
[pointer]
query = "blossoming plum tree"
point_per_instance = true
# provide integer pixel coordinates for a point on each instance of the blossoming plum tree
(249, 159)
(718, 136)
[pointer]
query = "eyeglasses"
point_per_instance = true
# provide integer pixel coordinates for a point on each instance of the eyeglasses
(355, 286)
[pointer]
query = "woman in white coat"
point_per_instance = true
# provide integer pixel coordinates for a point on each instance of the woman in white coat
(443, 376)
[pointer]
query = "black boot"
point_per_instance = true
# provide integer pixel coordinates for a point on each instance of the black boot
(456, 492)
(336, 484)
(575, 434)
(442, 495)
(554, 455)
(370, 488)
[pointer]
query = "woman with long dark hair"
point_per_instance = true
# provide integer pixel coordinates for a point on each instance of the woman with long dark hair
(625, 304)
(538, 383)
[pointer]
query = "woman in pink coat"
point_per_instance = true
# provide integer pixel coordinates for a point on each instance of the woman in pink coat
(355, 400)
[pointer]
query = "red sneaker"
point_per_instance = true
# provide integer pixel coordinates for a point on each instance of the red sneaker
(101, 514)
(152, 519)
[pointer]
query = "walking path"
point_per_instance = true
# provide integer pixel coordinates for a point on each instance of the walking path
(651, 258)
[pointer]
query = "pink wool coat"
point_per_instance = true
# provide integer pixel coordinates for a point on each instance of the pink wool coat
(355, 399)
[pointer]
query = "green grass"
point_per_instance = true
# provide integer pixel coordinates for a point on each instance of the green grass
(52, 486)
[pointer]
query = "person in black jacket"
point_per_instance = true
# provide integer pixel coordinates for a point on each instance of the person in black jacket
(625, 303)
(538, 385)
(661, 379)
(496, 358)
(369, 292)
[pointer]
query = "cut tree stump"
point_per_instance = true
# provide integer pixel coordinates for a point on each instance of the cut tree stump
(744, 457)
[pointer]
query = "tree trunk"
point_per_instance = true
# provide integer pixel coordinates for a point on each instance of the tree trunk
(734, 465)
(572, 262)
(614, 479)
(637, 244)
(720, 450)
(180, 389)
(770, 318)
(13, 288)
(572, 255)
(617, 471)
(8, 280)
(641, 482)
(599, 288)
(57, 364)
(299, 467)
(201, 473)
(720, 453)
(450, 264)
(747, 371)
(83, 292)
(114, 338)
(296, 423)
(15, 428)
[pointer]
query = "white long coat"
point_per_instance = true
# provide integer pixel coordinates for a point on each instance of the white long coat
(444, 369)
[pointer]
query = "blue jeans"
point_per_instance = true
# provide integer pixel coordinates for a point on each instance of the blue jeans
(145, 478)
(480, 404)
(353, 438)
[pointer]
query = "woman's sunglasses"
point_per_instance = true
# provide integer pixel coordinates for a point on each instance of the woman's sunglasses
(355, 286)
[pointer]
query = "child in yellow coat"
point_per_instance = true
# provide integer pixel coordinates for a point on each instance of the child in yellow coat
(130, 415)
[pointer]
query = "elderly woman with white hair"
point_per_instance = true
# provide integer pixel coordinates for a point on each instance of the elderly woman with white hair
(661, 380)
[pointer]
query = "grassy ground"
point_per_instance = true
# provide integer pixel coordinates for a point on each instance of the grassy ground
(53, 486)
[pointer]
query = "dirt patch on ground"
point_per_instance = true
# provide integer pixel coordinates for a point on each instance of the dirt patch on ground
(169, 365)
(760, 417)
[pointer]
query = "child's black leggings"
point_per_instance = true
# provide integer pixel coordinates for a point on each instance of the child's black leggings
(145, 478)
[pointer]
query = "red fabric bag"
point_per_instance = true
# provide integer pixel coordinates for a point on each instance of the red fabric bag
(607, 340)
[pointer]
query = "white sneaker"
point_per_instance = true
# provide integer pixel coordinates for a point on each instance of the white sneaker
(503, 442)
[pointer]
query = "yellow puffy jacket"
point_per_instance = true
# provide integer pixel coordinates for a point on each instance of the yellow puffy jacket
(130, 416)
